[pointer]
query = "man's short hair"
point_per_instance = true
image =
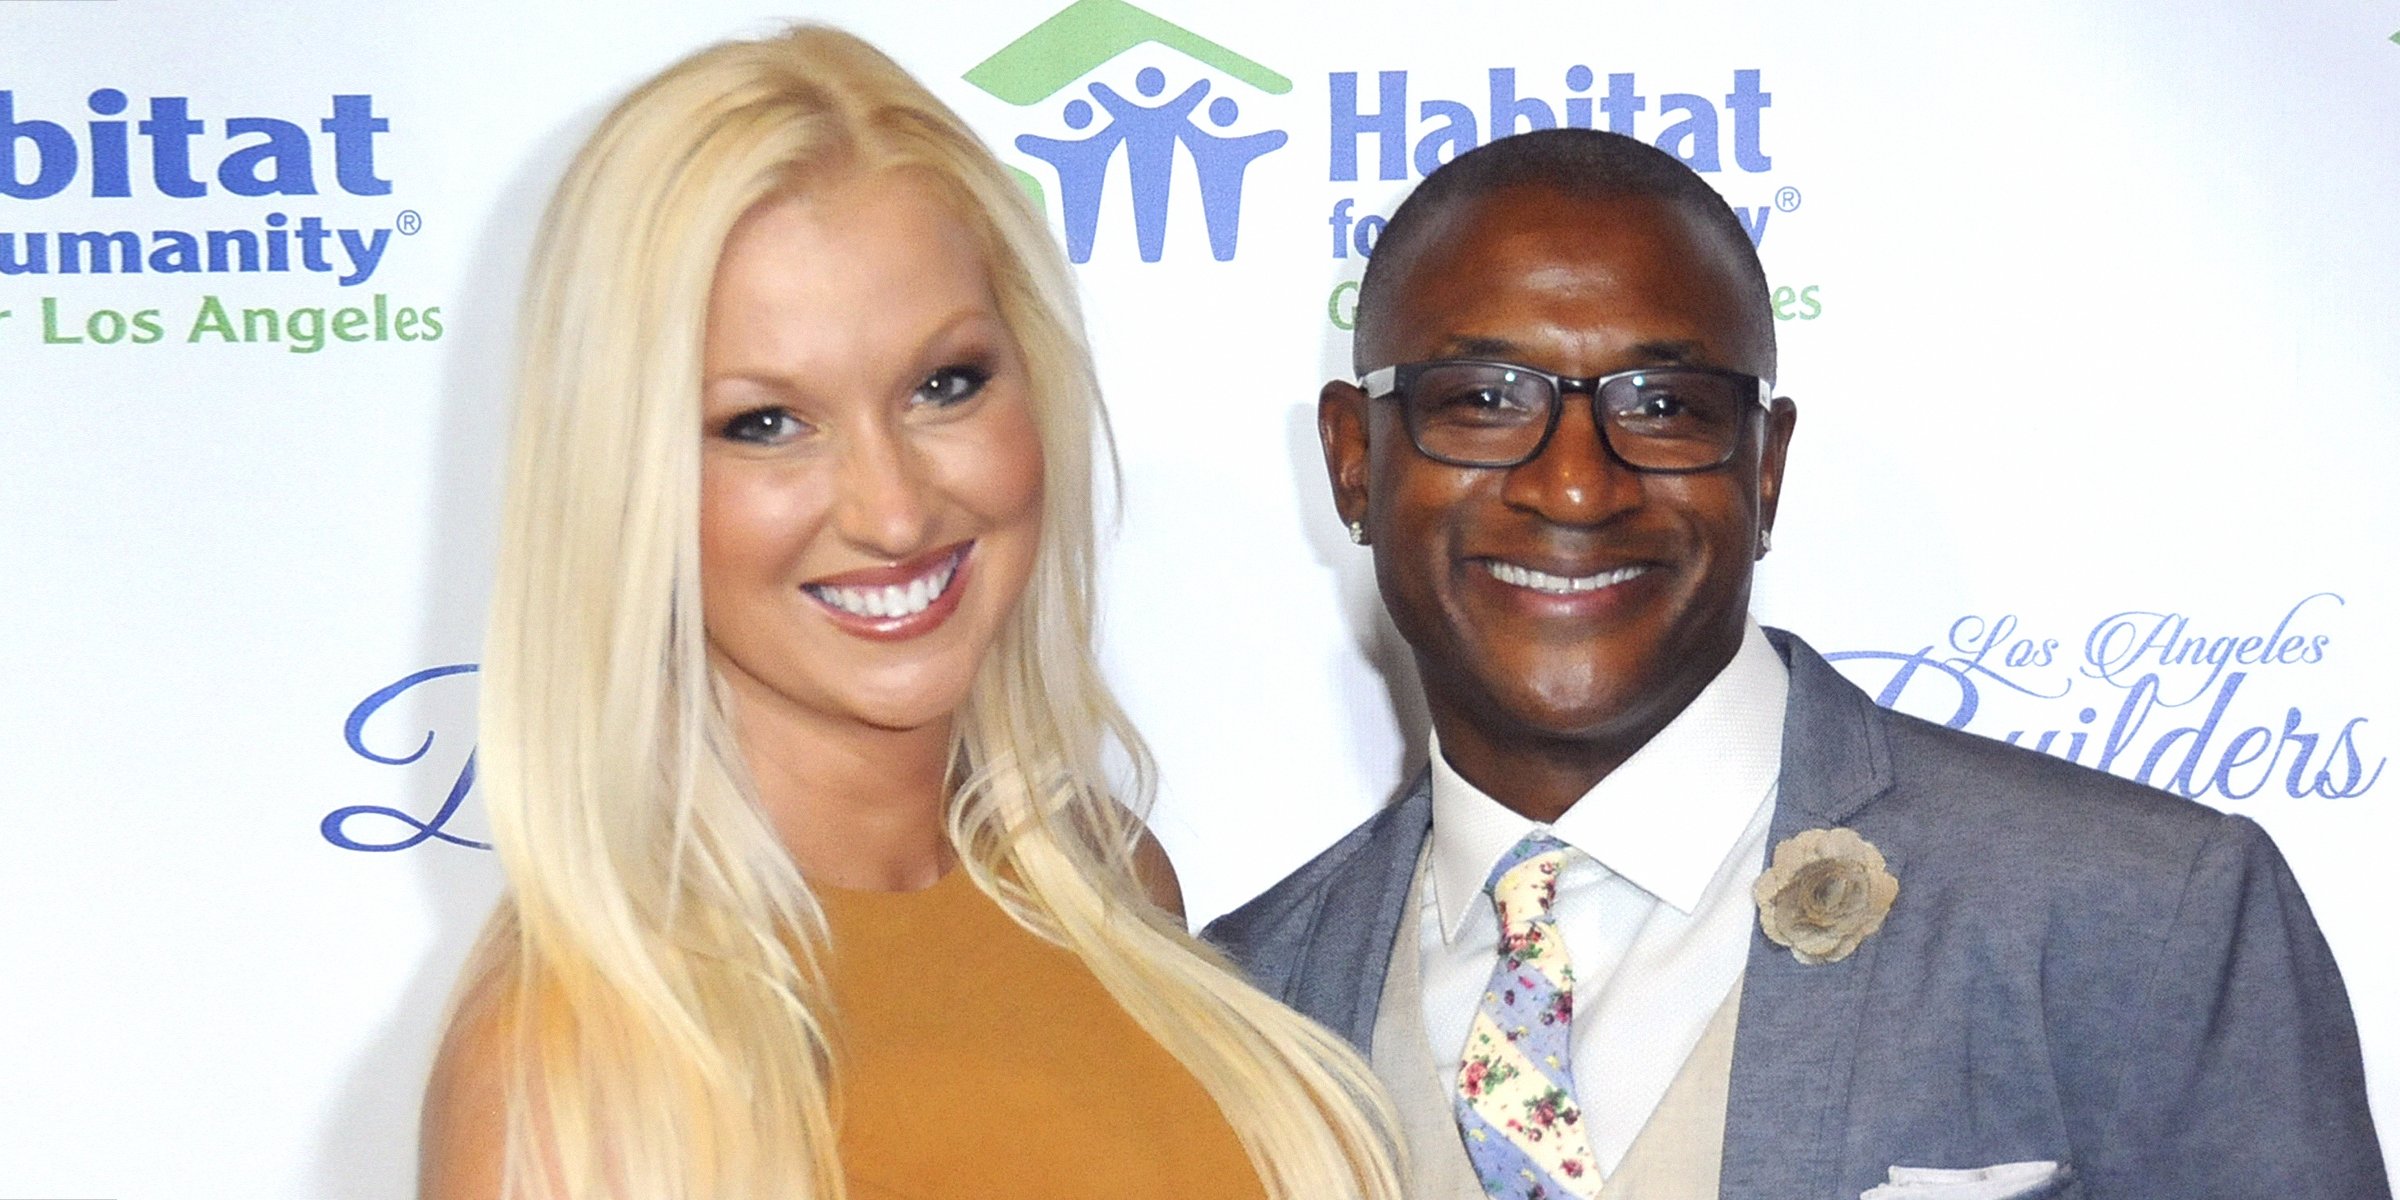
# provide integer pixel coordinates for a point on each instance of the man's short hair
(1574, 162)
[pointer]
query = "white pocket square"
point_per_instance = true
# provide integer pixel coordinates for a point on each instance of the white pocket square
(2007, 1181)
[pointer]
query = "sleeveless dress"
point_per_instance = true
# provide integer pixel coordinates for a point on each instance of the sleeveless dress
(979, 1062)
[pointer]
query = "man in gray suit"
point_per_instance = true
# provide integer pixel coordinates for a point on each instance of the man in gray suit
(1971, 972)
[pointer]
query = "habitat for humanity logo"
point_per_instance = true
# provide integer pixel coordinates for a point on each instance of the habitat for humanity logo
(161, 186)
(1146, 132)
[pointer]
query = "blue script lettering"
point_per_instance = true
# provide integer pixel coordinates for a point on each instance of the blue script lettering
(2219, 753)
(334, 827)
(2192, 777)
(2124, 642)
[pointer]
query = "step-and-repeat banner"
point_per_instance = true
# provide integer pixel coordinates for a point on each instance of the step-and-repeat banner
(2088, 311)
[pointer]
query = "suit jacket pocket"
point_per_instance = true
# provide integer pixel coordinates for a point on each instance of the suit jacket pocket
(2041, 1180)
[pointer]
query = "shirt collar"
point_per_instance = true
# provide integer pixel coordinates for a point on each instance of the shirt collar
(1664, 820)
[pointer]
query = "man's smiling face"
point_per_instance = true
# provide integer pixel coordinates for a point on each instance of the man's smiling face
(1570, 599)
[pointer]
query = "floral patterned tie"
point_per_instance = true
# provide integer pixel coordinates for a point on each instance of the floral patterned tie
(1516, 1087)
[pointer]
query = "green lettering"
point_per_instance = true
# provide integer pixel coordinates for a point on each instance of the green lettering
(50, 334)
(252, 318)
(307, 327)
(212, 318)
(1342, 318)
(106, 326)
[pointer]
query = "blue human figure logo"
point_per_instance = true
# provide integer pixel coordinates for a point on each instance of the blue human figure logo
(1149, 135)
(1221, 162)
(1082, 165)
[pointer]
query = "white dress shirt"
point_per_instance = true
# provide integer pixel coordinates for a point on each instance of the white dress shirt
(1655, 909)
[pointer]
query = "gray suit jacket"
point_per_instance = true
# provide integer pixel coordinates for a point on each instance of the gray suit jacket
(2078, 969)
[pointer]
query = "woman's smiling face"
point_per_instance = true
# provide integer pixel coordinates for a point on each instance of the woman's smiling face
(871, 470)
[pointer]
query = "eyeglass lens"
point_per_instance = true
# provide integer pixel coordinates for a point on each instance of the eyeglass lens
(1488, 414)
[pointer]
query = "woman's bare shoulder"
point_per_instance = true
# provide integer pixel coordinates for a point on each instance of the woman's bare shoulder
(462, 1145)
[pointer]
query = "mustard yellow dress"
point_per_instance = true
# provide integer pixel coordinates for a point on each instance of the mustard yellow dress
(979, 1062)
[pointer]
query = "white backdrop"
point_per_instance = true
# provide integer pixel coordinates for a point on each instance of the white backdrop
(2089, 321)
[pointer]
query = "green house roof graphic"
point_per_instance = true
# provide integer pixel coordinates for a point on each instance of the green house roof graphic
(1087, 33)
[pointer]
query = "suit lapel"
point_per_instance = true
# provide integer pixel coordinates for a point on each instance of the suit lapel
(1797, 1036)
(1349, 942)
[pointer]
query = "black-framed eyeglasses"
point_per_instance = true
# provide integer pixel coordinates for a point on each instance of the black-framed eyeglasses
(1470, 413)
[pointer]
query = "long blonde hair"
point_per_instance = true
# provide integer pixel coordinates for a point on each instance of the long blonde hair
(658, 951)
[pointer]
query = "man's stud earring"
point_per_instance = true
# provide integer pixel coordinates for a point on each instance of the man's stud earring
(1358, 534)
(1766, 540)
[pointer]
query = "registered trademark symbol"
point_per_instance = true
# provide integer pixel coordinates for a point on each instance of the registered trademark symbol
(409, 222)
(1786, 199)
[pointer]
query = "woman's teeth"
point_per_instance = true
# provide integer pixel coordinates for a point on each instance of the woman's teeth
(1558, 585)
(897, 600)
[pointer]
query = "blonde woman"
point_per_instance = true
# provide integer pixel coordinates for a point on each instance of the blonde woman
(791, 732)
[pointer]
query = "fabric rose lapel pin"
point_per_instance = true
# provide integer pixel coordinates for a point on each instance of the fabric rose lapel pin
(1824, 892)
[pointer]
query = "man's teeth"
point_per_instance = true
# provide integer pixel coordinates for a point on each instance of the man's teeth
(1558, 585)
(898, 600)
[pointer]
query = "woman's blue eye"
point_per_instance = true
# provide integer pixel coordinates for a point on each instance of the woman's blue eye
(952, 385)
(763, 426)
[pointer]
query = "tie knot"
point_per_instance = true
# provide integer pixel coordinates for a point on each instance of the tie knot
(1525, 880)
